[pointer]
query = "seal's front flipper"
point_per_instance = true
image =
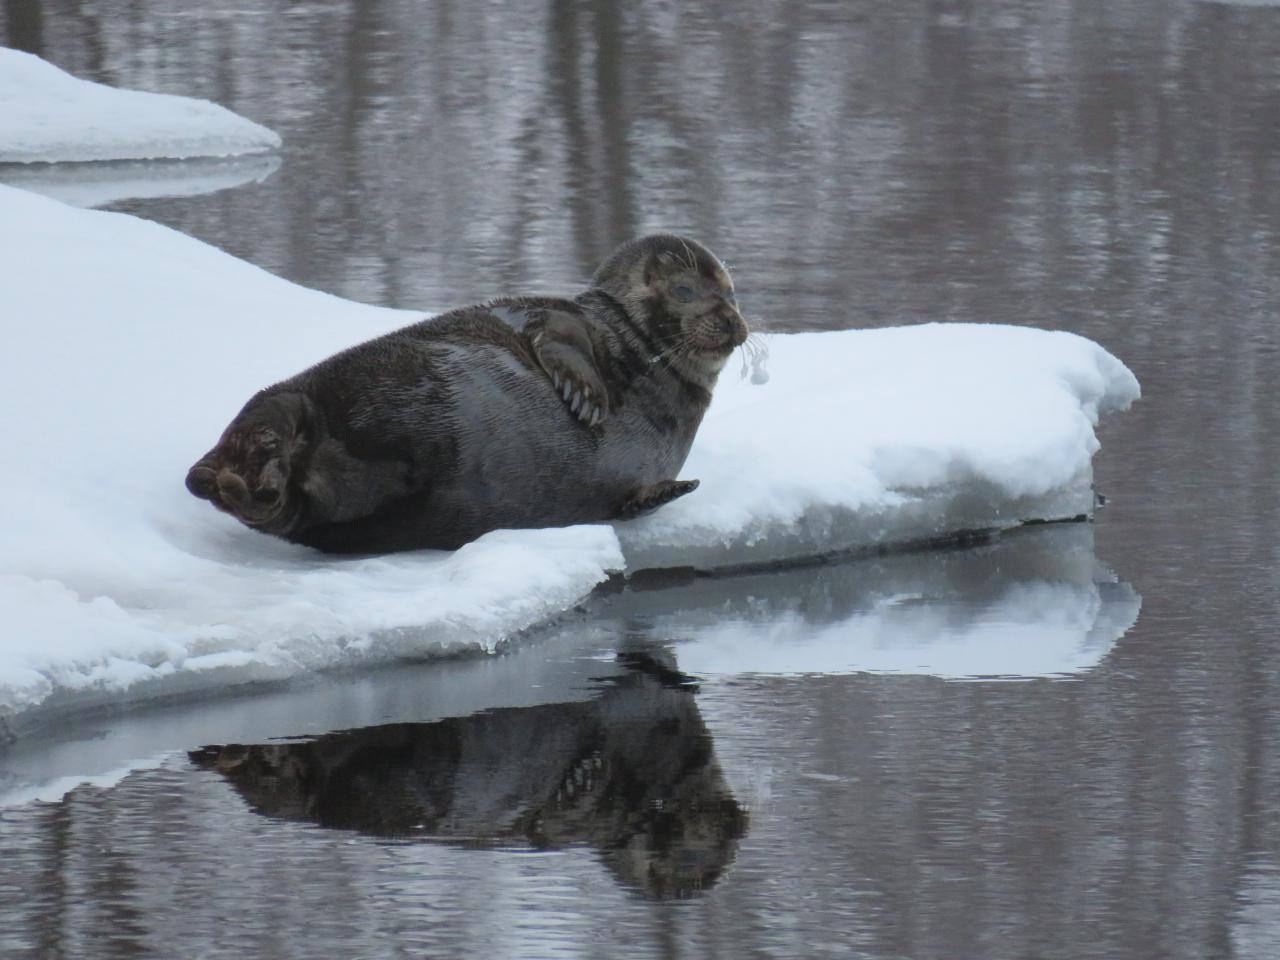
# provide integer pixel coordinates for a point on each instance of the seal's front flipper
(654, 495)
(562, 344)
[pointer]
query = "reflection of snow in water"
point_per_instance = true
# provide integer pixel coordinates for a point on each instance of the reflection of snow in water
(1035, 604)
(1255, 929)
(1030, 630)
(121, 581)
(49, 116)
(103, 182)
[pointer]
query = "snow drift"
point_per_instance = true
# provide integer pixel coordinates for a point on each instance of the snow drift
(130, 346)
(47, 115)
(868, 437)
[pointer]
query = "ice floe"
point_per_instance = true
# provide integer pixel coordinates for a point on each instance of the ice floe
(47, 115)
(129, 346)
(866, 437)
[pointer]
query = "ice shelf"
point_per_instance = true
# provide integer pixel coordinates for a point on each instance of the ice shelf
(129, 346)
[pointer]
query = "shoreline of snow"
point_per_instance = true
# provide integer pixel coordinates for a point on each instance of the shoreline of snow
(135, 345)
(49, 116)
(98, 183)
(1032, 604)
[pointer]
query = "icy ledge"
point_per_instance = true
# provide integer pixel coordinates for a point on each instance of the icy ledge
(132, 345)
(104, 182)
(48, 115)
(869, 437)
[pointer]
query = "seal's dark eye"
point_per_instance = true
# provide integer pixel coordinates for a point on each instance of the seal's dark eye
(683, 293)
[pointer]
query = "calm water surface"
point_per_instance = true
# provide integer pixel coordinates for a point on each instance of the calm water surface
(1106, 168)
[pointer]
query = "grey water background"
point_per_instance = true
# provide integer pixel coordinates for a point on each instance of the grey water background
(1106, 168)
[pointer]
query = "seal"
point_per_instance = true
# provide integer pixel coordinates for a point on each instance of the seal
(631, 772)
(519, 412)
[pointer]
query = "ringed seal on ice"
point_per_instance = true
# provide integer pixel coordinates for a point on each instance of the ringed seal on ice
(520, 412)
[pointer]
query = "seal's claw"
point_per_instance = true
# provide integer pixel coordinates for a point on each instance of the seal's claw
(654, 495)
(565, 355)
(586, 400)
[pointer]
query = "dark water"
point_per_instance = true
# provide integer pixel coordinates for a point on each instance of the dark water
(1107, 168)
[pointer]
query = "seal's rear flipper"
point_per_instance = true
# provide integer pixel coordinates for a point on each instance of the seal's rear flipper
(654, 495)
(247, 473)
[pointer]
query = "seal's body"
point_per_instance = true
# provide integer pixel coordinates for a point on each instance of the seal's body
(524, 412)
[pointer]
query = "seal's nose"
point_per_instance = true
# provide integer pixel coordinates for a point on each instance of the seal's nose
(735, 329)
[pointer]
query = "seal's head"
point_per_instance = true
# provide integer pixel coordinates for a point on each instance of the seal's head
(681, 296)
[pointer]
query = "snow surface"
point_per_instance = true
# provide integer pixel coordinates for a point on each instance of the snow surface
(866, 437)
(130, 346)
(48, 115)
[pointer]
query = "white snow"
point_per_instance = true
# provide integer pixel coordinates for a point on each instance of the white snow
(864, 437)
(130, 346)
(47, 115)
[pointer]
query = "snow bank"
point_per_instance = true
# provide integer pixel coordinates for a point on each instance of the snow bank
(866, 437)
(48, 115)
(129, 347)
(110, 181)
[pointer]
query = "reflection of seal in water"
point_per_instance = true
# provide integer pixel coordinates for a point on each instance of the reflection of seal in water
(631, 772)
(518, 413)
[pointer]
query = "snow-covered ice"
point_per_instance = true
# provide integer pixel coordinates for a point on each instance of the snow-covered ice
(866, 437)
(130, 346)
(47, 115)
